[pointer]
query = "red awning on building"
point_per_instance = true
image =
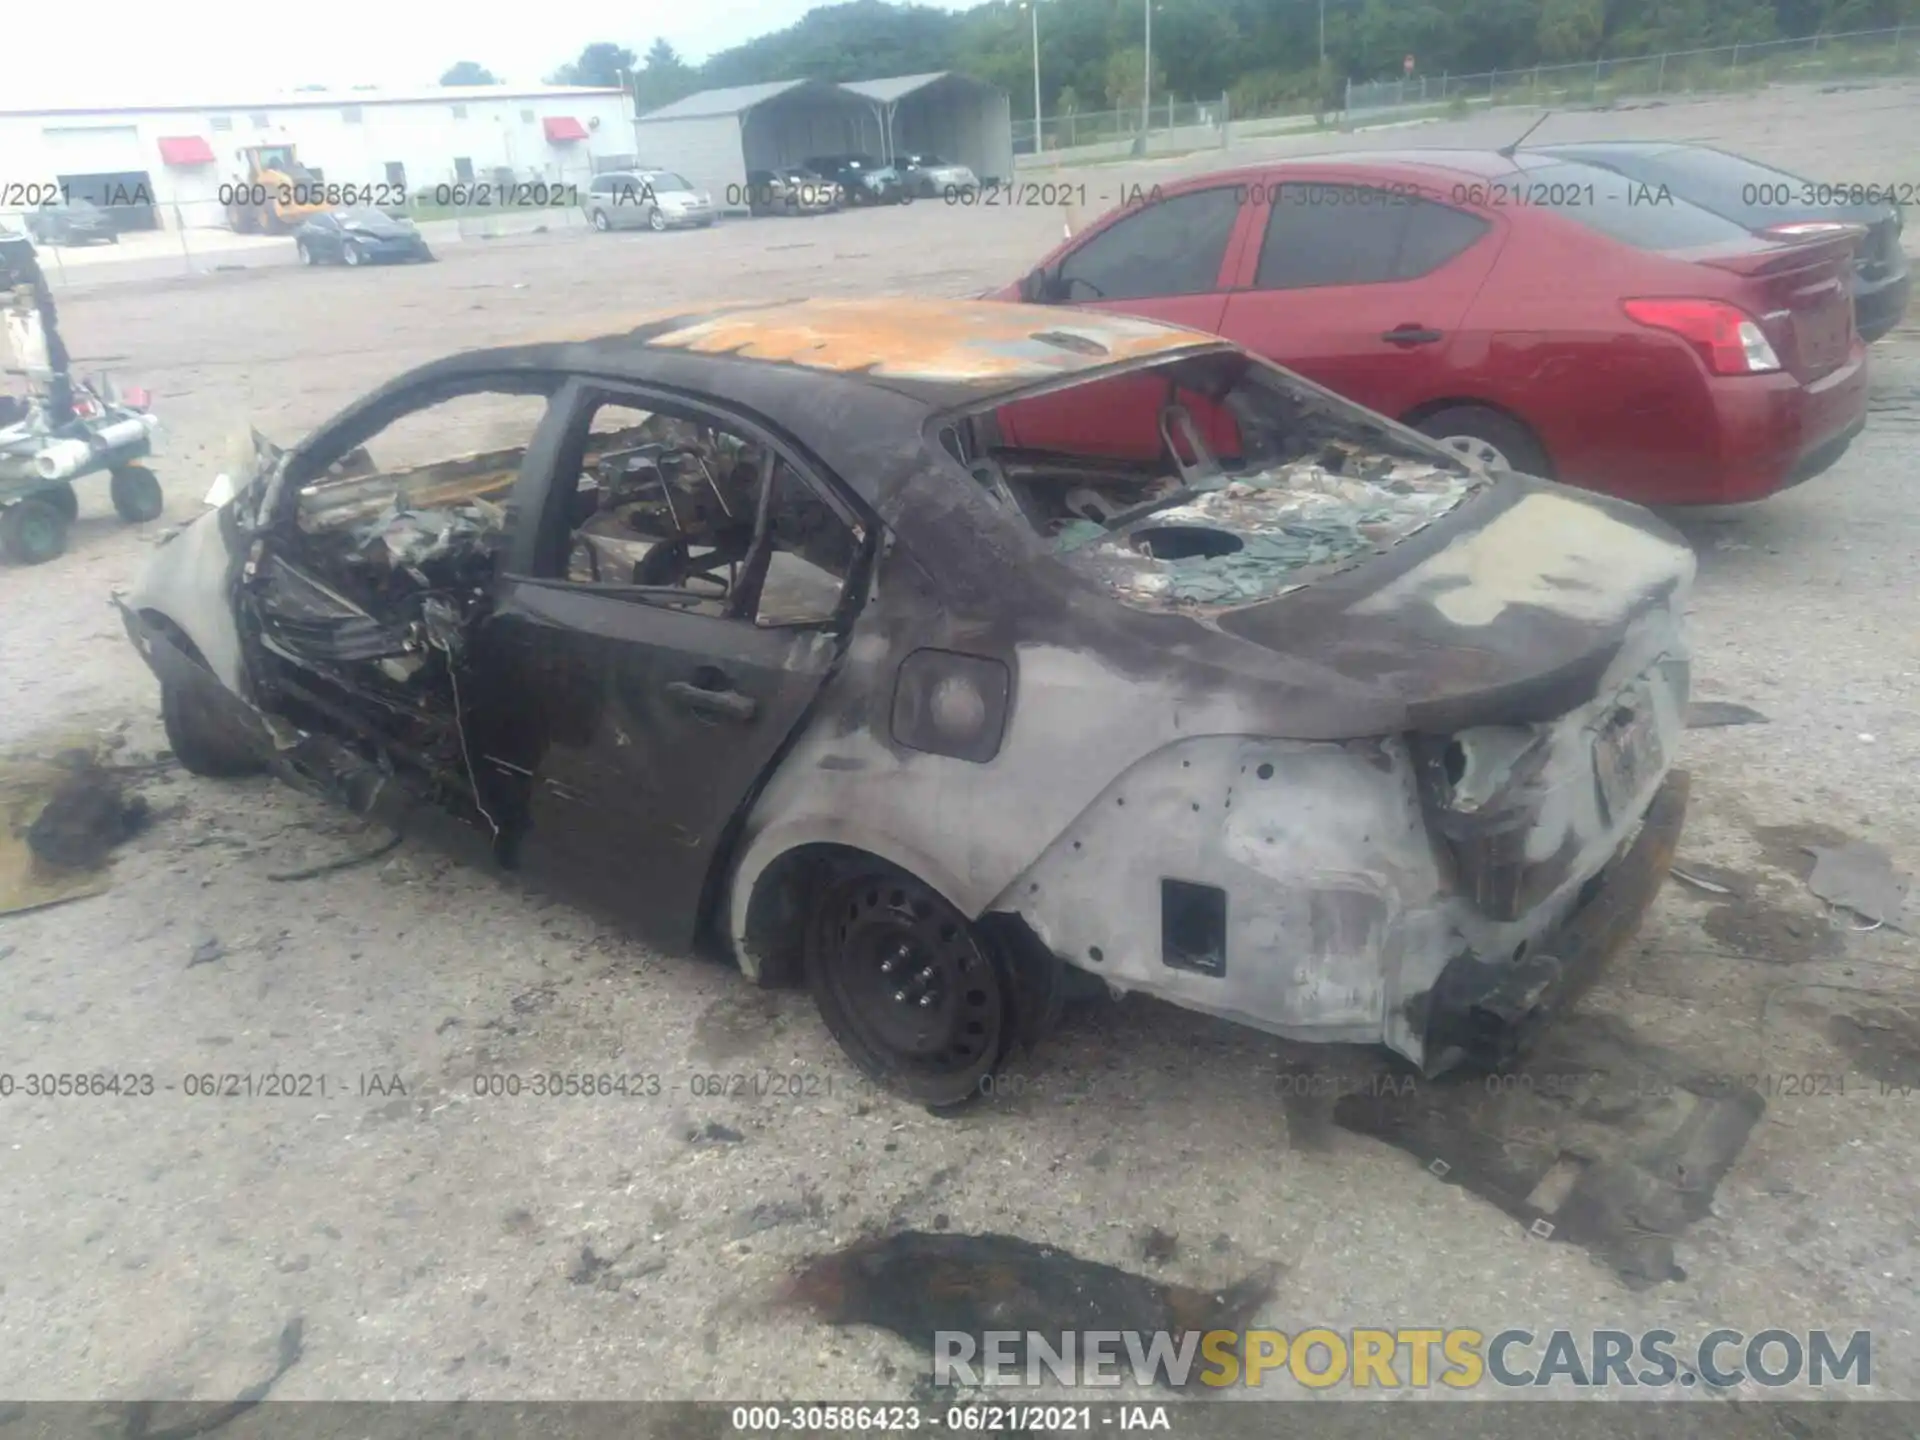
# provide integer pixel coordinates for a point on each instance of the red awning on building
(563, 127)
(185, 150)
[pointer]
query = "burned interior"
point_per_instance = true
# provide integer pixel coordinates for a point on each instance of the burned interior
(1224, 484)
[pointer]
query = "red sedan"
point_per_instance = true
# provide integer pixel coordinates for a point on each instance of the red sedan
(1535, 312)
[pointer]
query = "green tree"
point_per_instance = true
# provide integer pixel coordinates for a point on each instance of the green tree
(664, 78)
(1264, 52)
(601, 63)
(1125, 72)
(1570, 30)
(469, 72)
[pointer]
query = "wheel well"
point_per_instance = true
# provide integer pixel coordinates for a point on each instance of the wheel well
(780, 907)
(179, 638)
(778, 912)
(1420, 412)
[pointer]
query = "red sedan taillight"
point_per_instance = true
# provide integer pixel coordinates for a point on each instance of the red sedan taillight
(1725, 336)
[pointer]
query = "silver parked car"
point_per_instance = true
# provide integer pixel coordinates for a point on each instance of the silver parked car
(657, 199)
(928, 176)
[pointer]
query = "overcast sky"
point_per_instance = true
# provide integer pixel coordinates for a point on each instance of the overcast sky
(120, 52)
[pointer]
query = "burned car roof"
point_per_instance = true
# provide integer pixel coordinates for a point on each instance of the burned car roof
(968, 343)
(942, 351)
(855, 381)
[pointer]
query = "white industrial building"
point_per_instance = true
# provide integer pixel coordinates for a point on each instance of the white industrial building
(715, 137)
(163, 165)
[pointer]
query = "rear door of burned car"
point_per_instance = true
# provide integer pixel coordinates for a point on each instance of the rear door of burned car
(679, 591)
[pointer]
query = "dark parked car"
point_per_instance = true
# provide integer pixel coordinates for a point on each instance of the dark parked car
(361, 236)
(1530, 312)
(792, 191)
(755, 628)
(862, 179)
(74, 220)
(1777, 205)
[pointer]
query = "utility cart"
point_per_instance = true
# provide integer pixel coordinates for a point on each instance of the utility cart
(61, 430)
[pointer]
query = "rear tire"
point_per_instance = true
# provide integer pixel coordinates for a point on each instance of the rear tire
(136, 494)
(602, 221)
(306, 255)
(917, 997)
(32, 532)
(62, 498)
(1496, 440)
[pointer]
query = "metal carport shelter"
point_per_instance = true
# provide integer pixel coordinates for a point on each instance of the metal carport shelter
(946, 113)
(715, 137)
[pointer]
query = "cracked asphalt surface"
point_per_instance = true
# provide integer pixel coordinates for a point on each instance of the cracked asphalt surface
(440, 1243)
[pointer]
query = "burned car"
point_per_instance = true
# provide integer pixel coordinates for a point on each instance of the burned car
(789, 631)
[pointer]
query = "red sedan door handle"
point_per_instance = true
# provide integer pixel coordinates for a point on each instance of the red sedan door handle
(1412, 335)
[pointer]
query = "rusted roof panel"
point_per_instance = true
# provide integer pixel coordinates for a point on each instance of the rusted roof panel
(964, 342)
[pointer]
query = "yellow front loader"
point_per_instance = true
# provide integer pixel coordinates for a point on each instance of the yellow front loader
(274, 193)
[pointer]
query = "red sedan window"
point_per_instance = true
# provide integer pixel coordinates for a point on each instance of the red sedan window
(1321, 234)
(1173, 246)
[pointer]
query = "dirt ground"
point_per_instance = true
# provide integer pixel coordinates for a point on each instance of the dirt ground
(440, 1244)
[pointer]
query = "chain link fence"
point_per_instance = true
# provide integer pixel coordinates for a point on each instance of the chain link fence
(1679, 72)
(1168, 125)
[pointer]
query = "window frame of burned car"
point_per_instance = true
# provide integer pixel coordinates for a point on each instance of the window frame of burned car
(542, 559)
(308, 461)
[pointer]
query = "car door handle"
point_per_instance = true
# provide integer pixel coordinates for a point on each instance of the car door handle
(729, 704)
(1412, 335)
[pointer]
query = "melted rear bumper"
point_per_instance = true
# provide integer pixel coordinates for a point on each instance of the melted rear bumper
(1483, 1014)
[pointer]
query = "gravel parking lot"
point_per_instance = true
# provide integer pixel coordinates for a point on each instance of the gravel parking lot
(438, 1244)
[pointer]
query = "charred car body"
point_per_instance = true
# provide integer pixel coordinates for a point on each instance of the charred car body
(1308, 725)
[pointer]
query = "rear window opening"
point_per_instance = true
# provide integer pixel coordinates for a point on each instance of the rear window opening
(1636, 213)
(1205, 483)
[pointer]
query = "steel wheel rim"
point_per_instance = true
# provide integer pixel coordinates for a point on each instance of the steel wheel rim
(914, 985)
(351, 255)
(1482, 452)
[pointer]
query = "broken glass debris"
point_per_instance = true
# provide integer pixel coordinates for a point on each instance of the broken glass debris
(1251, 538)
